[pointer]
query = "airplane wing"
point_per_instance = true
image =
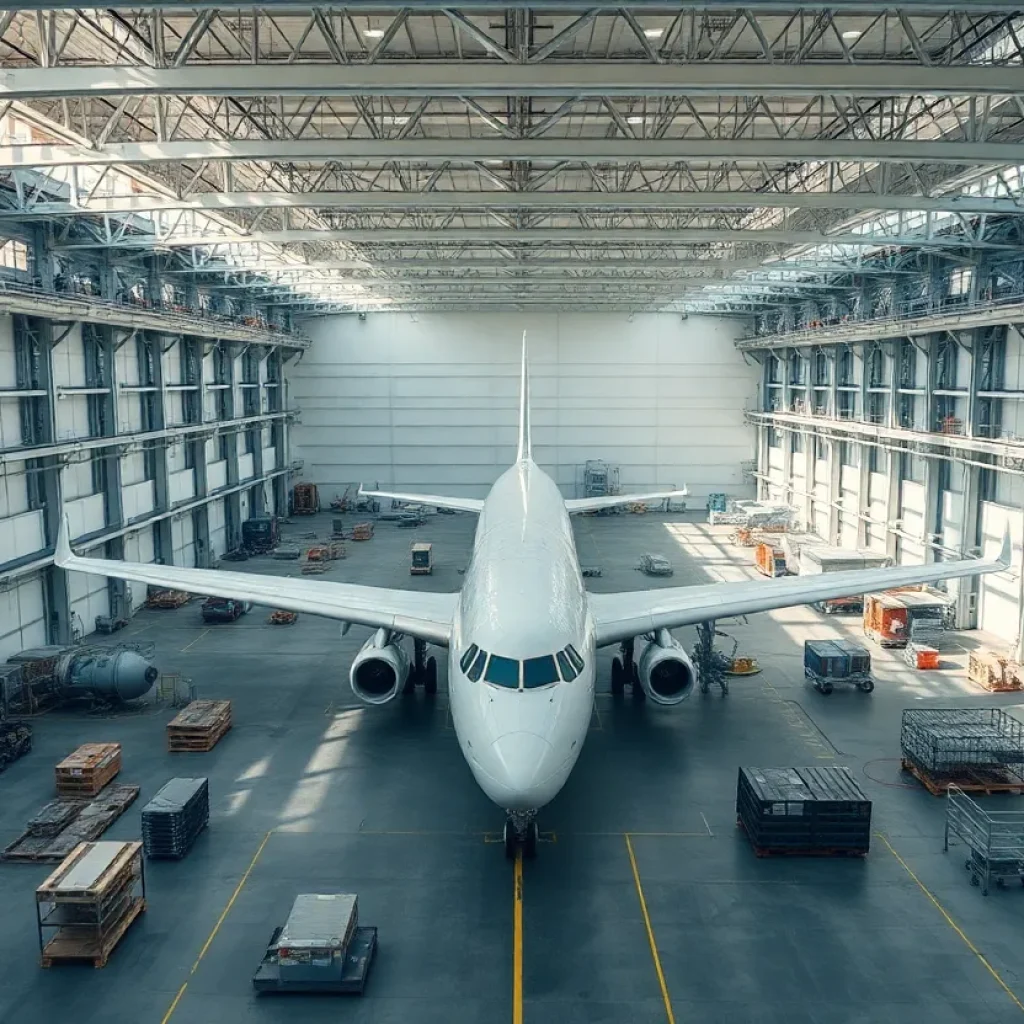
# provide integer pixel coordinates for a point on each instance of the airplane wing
(422, 615)
(621, 616)
(610, 501)
(436, 500)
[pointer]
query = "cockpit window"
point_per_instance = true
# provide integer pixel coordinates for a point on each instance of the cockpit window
(574, 658)
(467, 658)
(476, 669)
(503, 672)
(539, 672)
(568, 672)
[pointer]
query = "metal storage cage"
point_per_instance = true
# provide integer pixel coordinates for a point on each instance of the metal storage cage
(980, 742)
(995, 839)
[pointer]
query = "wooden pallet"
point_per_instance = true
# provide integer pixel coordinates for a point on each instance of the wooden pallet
(62, 949)
(279, 617)
(168, 599)
(85, 772)
(970, 782)
(199, 727)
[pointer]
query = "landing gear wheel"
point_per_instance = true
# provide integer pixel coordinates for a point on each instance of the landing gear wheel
(511, 841)
(618, 678)
(530, 842)
(430, 677)
(825, 688)
(867, 686)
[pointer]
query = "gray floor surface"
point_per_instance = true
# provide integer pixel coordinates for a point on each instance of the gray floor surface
(339, 797)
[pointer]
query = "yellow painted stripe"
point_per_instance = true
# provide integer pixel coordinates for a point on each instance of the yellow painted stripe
(194, 642)
(952, 924)
(517, 940)
(216, 928)
(670, 1016)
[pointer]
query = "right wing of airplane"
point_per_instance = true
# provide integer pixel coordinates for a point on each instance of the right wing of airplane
(435, 500)
(611, 501)
(622, 616)
(422, 615)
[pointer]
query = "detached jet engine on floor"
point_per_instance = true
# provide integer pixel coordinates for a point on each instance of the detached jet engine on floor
(523, 633)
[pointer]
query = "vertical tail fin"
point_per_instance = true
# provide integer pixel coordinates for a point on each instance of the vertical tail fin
(524, 451)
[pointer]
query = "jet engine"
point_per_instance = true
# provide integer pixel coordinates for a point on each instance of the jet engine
(380, 669)
(666, 671)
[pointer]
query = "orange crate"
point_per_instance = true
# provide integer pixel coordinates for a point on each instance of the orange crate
(770, 560)
(885, 619)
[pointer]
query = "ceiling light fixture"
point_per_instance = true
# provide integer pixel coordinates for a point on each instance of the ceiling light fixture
(373, 33)
(654, 33)
(634, 119)
(852, 33)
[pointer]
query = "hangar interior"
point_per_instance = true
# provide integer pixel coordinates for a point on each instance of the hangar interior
(771, 251)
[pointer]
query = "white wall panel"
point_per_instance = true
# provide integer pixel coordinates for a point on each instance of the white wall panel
(432, 403)
(13, 491)
(22, 617)
(182, 485)
(999, 592)
(216, 475)
(182, 535)
(217, 528)
(89, 597)
(21, 536)
(246, 466)
(138, 499)
(85, 515)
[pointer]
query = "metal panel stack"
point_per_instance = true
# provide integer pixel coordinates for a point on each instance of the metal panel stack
(173, 819)
(85, 907)
(809, 811)
(979, 749)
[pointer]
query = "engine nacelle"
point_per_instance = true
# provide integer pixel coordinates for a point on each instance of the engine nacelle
(666, 671)
(379, 670)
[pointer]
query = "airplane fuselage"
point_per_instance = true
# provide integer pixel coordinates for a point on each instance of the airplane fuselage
(522, 600)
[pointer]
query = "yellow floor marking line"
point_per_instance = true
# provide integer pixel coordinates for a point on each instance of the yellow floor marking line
(216, 928)
(194, 642)
(952, 924)
(670, 1016)
(517, 939)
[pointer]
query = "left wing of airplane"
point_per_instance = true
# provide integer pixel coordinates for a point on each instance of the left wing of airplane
(631, 614)
(426, 616)
(436, 500)
(611, 501)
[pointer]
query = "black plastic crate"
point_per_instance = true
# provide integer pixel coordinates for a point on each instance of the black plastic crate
(950, 741)
(173, 819)
(803, 810)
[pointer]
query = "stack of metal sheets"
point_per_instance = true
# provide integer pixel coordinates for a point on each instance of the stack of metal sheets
(174, 817)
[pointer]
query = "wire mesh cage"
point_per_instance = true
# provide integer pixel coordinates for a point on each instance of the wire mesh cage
(950, 741)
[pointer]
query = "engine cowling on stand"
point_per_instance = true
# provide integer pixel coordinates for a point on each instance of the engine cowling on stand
(667, 674)
(380, 669)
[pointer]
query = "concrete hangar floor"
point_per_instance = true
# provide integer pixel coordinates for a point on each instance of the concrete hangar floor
(644, 905)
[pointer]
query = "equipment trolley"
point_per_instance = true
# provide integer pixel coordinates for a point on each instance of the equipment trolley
(995, 839)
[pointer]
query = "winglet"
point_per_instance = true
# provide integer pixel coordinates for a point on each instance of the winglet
(524, 449)
(63, 554)
(1006, 551)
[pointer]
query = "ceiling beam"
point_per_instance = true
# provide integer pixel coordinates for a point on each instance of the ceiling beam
(546, 78)
(657, 202)
(754, 151)
(571, 236)
(975, 8)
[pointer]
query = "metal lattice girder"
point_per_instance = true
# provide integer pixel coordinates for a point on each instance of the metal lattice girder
(661, 7)
(452, 234)
(547, 78)
(515, 200)
(756, 151)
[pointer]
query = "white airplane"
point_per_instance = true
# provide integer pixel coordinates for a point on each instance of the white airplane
(523, 632)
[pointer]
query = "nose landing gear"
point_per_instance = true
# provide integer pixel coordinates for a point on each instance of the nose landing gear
(624, 672)
(521, 834)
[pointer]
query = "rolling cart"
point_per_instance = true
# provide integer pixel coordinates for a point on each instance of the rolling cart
(995, 839)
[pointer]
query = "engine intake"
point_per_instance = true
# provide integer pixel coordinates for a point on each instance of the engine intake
(379, 670)
(666, 671)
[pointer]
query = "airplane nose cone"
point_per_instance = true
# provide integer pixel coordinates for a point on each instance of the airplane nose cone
(524, 761)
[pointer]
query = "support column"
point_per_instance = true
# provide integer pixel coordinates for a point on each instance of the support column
(56, 592)
(863, 494)
(931, 506)
(967, 587)
(835, 469)
(809, 460)
(892, 506)
(42, 258)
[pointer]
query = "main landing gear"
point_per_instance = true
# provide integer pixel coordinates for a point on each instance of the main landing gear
(423, 672)
(521, 834)
(624, 672)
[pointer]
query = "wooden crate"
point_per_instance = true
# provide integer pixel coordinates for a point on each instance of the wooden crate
(85, 772)
(168, 599)
(362, 531)
(994, 672)
(89, 902)
(200, 726)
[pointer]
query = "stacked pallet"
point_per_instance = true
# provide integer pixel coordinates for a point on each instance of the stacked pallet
(59, 826)
(84, 908)
(994, 672)
(173, 819)
(15, 742)
(978, 749)
(85, 772)
(168, 599)
(200, 726)
(803, 811)
(362, 531)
